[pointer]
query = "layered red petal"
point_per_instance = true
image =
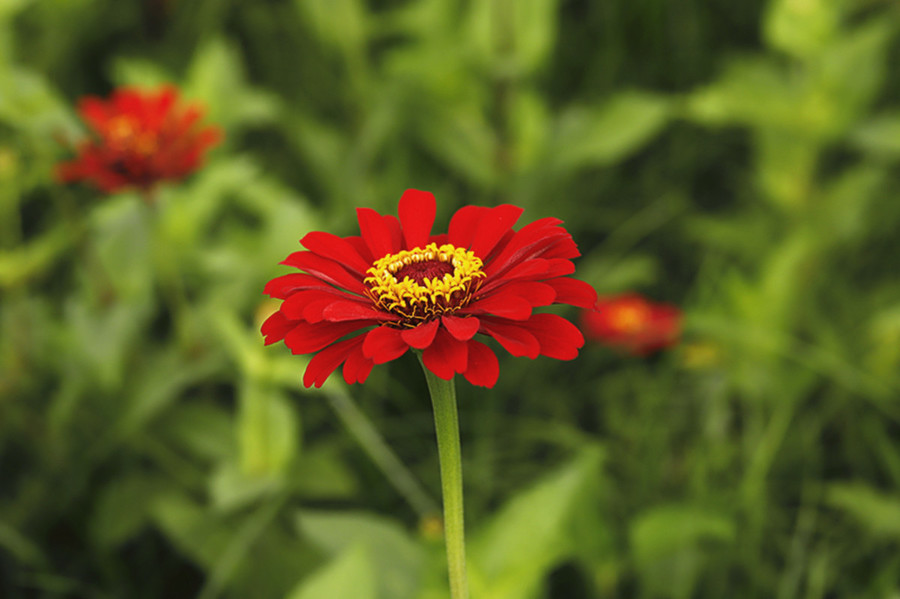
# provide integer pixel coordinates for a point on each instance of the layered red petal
(416, 210)
(446, 355)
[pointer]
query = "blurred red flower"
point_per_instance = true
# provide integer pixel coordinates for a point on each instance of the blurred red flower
(138, 138)
(367, 299)
(632, 323)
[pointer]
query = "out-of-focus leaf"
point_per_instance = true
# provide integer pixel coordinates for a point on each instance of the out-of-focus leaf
(20, 547)
(204, 431)
(884, 333)
(231, 489)
(461, 137)
(610, 274)
(879, 135)
(123, 508)
(25, 262)
(268, 431)
(530, 123)
(396, 557)
(666, 544)
(531, 533)
(216, 77)
(29, 103)
(322, 474)
(606, 134)
(848, 76)
(196, 532)
(351, 574)
(338, 23)
(802, 28)
(9, 8)
(514, 36)
(847, 204)
(786, 167)
(139, 73)
(751, 91)
(877, 512)
(120, 233)
(158, 385)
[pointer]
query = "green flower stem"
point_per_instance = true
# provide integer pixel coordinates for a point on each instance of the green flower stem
(446, 424)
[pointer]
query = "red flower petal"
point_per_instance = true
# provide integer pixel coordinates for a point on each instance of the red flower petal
(463, 225)
(529, 242)
(446, 356)
(532, 269)
(483, 368)
(573, 292)
(306, 338)
(294, 306)
(283, 286)
(492, 227)
(326, 361)
(380, 235)
(357, 367)
(384, 344)
(505, 306)
(514, 339)
(344, 310)
(535, 293)
(559, 338)
(276, 327)
(461, 328)
(421, 336)
(325, 269)
(416, 210)
(335, 248)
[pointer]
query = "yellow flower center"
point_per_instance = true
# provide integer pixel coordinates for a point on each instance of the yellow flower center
(629, 318)
(423, 283)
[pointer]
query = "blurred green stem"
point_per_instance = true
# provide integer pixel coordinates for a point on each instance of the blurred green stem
(446, 424)
(380, 453)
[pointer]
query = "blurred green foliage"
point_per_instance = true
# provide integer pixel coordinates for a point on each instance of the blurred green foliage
(738, 159)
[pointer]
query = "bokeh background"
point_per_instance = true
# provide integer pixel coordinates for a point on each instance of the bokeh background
(737, 159)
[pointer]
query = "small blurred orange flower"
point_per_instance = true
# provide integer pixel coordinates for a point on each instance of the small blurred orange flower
(138, 138)
(632, 323)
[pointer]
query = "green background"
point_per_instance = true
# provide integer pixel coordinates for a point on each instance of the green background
(738, 159)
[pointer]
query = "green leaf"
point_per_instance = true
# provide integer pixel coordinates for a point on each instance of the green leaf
(514, 37)
(268, 431)
(848, 76)
(231, 489)
(802, 28)
(532, 533)
(123, 508)
(667, 545)
(216, 77)
(603, 135)
(461, 137)
(879, 135)
(350, 575)
(204, 431)
(876, 511)
(191, 528)
(397, 558)
(337, 23)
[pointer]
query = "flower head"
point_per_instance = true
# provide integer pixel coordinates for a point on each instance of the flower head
(368, 299)
(138, 138)
(632, 323)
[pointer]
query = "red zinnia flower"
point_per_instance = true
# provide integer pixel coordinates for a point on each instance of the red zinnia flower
(632, 323)
(138, 139)
(367, 299)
